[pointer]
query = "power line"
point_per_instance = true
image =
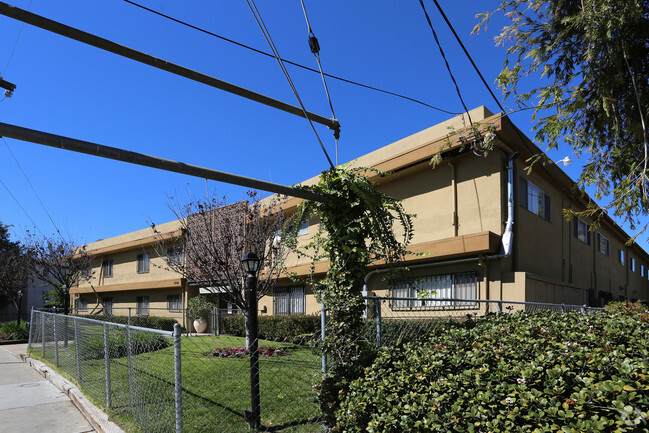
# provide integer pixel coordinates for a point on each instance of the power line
(21, 207)
(248, 47)
(315, 49)
(20, 31)
(271, 44)
(32, 187)
(448, 67)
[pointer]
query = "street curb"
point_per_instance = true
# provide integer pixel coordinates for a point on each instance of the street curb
(95, 416)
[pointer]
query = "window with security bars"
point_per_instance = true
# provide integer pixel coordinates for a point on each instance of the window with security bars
(174, 303)
(108, 305)
(424, 291)
(142, 305)
(143, 263)
(289, 300)
(81, 304)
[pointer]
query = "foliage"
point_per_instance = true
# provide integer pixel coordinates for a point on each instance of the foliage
(141, 342)
(14, 268)
(294, 329)
(58, 263)
(513, 372)
(200, 307)
(626, 307)
(153, 322)
(593, 55)
(14, 330)
(356, 229)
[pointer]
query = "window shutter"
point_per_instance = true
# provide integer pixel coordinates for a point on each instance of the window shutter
(547, 207)
(522, 193)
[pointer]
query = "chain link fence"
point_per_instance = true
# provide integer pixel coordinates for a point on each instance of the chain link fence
(167, 381)
(392, 320)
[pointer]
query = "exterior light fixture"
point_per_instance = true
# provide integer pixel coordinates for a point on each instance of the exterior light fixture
(566, 161)
(9, 87)
(250, 263)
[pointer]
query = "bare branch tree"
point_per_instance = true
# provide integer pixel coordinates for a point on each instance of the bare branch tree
(60, 264)
(215, 237)
(14, 272)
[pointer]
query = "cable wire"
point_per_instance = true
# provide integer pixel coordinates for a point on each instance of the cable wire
(315, 49)
(271, 44)
(22, 25)
(448, 67)
(22, 208)
(248, 47)
(33, 189)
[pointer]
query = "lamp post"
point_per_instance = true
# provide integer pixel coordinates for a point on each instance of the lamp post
(250, 264)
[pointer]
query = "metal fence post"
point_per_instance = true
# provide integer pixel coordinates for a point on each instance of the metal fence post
(31, 327)
(218, 320)
(56, 343)
(76, 350)
(178, 379)
(107, 365)
(583, 308)
(43, 333)
(379, 329)
(563, 308)
(129, 365)
(128, 321)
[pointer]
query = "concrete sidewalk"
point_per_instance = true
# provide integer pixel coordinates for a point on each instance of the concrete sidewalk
(30, 403)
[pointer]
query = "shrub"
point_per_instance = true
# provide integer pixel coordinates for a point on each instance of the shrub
(294, 329)
(515, 372)
(141, 342)
(626, 307)
(14, 331)
(199, 307)
(153, 322)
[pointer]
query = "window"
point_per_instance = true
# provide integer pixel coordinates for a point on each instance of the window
(107, 268)
(581, 231)
(174, 255)
(447, 286)
(602, 244)
(632, 264)
(642, 271)
(533, 199)
(174, 302)
(143, 263)
(86, 272)
(289, 300)
(108, 305)
(304, 228)
(620, 257)
(142, 305)
(81, 304)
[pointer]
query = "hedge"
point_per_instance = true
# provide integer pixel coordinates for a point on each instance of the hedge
(153, 322)
(141, 342)
(515, 372)
(14, 330)
(295, 329)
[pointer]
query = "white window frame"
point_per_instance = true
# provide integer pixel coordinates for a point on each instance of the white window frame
(534, 199)
(581, 231)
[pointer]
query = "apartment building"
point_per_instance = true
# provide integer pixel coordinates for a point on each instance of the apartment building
(487, 230)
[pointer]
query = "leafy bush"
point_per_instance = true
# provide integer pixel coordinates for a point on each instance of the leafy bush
(295, 329)
(141, 342)
(153, 322)
(14, 331)
(626, 307)
(199, 307)
(515, 372)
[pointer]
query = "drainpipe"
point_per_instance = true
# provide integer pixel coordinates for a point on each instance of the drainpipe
(507, 237)
(454, 187)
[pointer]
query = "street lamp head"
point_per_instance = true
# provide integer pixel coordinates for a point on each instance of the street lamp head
(566, 161)
(250, 263)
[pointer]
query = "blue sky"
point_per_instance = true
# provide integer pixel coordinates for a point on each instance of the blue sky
(71, 89)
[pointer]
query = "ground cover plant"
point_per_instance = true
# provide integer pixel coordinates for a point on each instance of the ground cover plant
(514, 372)
(14, 330)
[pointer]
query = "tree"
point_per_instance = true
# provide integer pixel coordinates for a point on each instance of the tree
(14, 269)
(60, 264)
(215, 237)
(357, 228)
(593, 57)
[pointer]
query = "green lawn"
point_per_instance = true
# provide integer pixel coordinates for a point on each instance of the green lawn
(216, 391)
